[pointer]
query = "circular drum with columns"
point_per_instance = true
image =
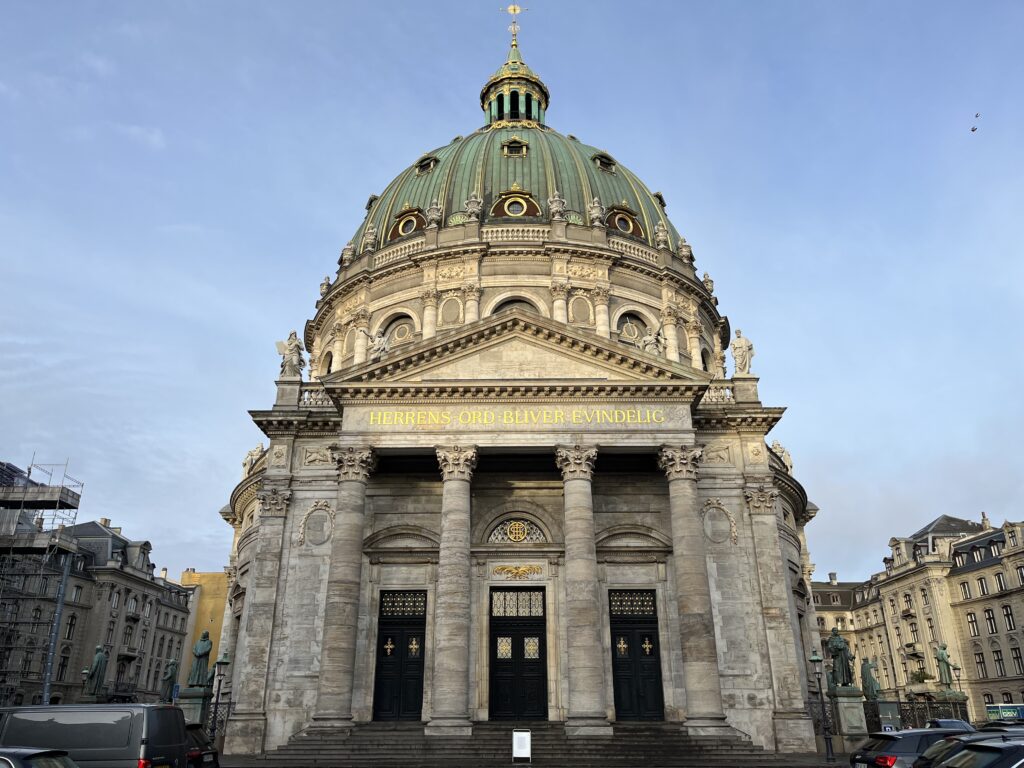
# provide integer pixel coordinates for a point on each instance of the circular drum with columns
(518, 485)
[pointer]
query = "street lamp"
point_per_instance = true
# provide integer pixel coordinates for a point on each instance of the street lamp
(85, 678)
(826, 732)
(956, 673)
(221, 665)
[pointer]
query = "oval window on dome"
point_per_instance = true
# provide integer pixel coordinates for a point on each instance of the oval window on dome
(407, 225)
(515, 206)
(623, 223)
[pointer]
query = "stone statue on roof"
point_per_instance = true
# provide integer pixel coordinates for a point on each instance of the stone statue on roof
(250, 460)
(292, 361)
(556, 206)
(474, 205)
(433, 214)
(661, 235)
(742, 353)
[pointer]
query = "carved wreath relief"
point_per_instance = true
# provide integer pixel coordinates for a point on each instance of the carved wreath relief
(719, 523)
(317, 524)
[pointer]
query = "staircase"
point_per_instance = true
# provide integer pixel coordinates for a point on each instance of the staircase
(403, 745)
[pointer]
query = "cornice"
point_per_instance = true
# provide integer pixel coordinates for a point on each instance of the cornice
(304, 422)
(734, 417)
(498, 392)
(243, 493)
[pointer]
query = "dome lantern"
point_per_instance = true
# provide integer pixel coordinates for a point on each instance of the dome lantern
(515, 92)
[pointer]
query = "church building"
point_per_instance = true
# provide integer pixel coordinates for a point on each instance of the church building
(518, 484)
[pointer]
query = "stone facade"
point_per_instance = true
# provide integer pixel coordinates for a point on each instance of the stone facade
(509, 428)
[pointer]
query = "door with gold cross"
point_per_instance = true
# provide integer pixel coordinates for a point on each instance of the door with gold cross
(636, 657)
(398, 685)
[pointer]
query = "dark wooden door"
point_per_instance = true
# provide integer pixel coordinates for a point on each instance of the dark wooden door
(518, 656)
(636, 658)
(398, 685)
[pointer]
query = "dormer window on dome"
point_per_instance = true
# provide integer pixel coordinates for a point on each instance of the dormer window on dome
(624, 221)
(604, 162)
(514, 147)
(425, 164)
(407, 221)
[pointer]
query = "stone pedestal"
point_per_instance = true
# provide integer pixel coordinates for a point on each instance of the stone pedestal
(195, 703)
(744, 389)
(851, 726)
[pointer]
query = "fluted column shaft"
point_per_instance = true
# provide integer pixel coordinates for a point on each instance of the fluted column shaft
(450, 701)
(587, 702)
(429, 314)
(341, 609)
(693, 338)
(472, 309)
(668, 321)
(693, 592)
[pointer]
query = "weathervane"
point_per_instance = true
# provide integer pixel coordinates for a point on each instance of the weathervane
(514, 10)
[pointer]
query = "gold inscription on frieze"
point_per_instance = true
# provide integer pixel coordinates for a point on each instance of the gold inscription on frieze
(515, 417)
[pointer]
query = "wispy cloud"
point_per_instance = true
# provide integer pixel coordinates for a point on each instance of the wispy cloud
(148, 136)
(97, 64)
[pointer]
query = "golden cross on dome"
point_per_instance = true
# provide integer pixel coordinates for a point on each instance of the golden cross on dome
(514, 10)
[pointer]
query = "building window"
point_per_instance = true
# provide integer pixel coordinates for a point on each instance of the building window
(1011, 536)
(976, 553)
(924, 596)
(990, 621)
(1008, 618)
(908, 604)
(993, 549)
(997, 658)
(1007, 697)
(76, 594)
(37, 615)
(44, 586)
(840, 623)
(126, 638)
(148, 609)
(972, 624)
(821, 622)
(987, 698)
(979, 660)
(62, 665)
(906, 673)
(160, 648)
(899, 635)
(115, 599)
(913, 632)
(959, 560)
(1000, 582)
(834, 599)
(1018, 661)
(965, 590)
(110, 633)
(132, 605)
(892, 605)
(982, 586)
(69, 630)
(817, 599)
(931, 630)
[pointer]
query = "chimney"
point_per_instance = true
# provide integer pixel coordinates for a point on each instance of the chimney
(832, 578)
(985, 524)
(105, 522)
(163, 573)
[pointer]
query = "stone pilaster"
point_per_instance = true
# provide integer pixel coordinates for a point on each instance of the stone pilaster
(450, 701)
(600, 296)
(693, 329)
(693, 592)
(669, 318)
(472, 303)
(341, 610)
(247, 725)
(559, 310)
(429, 313)
(794, 731)
(362, 325)
(338, 347)
(588, 714)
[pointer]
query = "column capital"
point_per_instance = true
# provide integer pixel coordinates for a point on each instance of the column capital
(670, 314)
(361, 317)
(457, 462)
(576, 462)
(761, 499)
(471, 292)
(600, 294)
(429, 297)
(273, 502)
(353, 463)
(679, 462)
(559, 289)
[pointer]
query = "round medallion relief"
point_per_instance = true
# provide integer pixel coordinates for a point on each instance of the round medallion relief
(318, 528)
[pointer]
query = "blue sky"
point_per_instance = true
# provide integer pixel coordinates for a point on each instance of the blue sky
(176, 179)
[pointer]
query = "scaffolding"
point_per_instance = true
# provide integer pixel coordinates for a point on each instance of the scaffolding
(37, 508)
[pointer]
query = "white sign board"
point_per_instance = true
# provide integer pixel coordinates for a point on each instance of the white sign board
(521, 745)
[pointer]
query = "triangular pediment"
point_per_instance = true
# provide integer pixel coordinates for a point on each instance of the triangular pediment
(517, 347)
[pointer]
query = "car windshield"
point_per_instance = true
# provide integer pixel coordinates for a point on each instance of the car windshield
(50, 761)
(937, 750)
(880, 744)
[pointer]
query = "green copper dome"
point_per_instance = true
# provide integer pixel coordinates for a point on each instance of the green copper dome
(514, 165)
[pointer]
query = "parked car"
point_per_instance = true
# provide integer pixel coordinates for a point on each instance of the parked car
(958, 725)
(201, 752)
(101, 735)
(1005, 752)
(1002, 722)
(897, 749)
(28, 757)
(953, 745)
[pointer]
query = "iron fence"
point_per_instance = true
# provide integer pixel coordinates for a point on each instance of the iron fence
(910, 714)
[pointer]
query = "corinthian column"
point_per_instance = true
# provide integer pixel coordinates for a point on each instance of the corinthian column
(450, 708)
(362, 325)
(472, 297)
(559, 292)
(693, 329)
(341, 611)
(588, 715)
(669, 318)
(429, 313)
(693, 593)
(600, 296)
